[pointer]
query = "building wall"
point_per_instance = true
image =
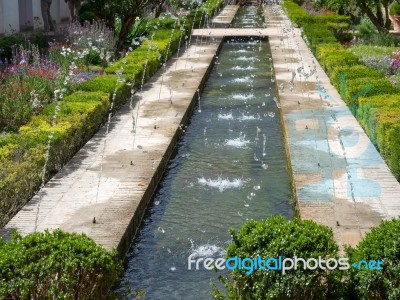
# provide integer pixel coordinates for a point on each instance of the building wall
(26, 14)
(10, 16)
(1, 17)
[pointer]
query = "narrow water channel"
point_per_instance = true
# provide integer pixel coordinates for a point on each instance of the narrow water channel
(230, 167)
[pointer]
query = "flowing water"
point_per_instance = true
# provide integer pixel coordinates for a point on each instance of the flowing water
(230, 167)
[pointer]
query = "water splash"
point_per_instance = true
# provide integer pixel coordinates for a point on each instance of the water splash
(245, 79)
(225, 116)
(239, 142)
(245, 58)
(206, 250)
(243, 97)
(222, 184)
(246, 118)
(239, 68)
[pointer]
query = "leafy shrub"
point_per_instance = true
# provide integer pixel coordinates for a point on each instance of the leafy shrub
(22, 155)
(338, 58)
(25, 89)
(8, 44)
(381, 243)
(278, 237)
(368, 86)
(340, 31)
(366, 30)
(395, 9)
(340, 75)
(317, 34)
(324, 49)
(56, 265)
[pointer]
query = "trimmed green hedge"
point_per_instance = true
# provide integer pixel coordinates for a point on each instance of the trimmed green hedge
(338, 58)
(278, 237)
(341, 74)
(56, 265)
(22, 156)
(381, 243)
(305, 239)
(367, 86)
(317, 34)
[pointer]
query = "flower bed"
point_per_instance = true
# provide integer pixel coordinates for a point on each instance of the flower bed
(23, 154)
(362, 86)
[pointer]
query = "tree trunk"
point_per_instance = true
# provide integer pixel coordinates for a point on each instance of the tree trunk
(388, 21)
(126, 25)
(374, 19)
(159, 8)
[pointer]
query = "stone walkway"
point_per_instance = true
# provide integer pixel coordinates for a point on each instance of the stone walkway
(113, 177)
(340, 178)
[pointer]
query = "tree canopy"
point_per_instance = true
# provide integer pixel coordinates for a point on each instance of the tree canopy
(376, 10)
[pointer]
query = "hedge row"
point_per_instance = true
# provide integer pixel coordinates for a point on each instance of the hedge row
(370, 96)
(326, 29)
(22, 155)
(56, 265)
(314, 267)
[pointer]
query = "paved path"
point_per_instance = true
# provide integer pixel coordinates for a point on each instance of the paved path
(340, 178)
(234, 32)
(227, 15)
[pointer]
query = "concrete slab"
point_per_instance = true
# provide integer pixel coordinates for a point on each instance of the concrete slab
(226, 16)
(220, 32)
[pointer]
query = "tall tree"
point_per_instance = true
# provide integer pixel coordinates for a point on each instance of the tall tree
(126, 10)
(158, 7)
(376, 10)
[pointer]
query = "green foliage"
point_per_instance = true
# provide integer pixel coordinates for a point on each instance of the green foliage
(317, 34)
(380, 117)
(56, 265)
(373, 9)
(323, 49)
(278, 237)
(381, 243)
(340, 31)
(22, 155)
(341, 73)
(366, 30)
(395, 9)
(367, 86)
(9, 42)
(369, 51)
(371, 109)
(338, 58)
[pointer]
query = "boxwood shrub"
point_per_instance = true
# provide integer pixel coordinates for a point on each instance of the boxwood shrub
(341, 74)
(56, 265)
(367, 86)
(276, 237)
(381, 243)
(338, 58)
(22, 155)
